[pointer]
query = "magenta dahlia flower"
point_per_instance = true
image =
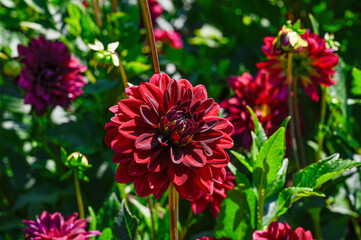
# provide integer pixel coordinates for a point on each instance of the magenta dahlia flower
(312, 65)
(212, 238)
(282, 231)
(55, 227)
(215, 200)
(50, 75)
(155, 10)
(173, 37)
(264, 99)
(169, 132)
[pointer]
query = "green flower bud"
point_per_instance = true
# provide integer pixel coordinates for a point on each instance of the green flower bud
(288, 40)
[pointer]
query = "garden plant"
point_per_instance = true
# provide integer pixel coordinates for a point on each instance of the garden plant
(180, 119)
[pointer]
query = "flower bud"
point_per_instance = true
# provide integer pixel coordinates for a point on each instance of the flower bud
(77, 159)
(288, 40)
(12, 68)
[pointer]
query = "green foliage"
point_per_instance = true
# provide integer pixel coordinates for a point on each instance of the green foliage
(125, 225)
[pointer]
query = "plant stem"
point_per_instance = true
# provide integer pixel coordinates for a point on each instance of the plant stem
(290, 109)
(148, 23)
(173, 212)
(261, 196)
(114, 5)
(187, 225)
(97, 13)
(321, 135)
(79, 198)
(150, 204)
(298, 124)
(315, 216)
(122, 74)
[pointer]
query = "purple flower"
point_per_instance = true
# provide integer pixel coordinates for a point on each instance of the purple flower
(50, 75)
(54, 227)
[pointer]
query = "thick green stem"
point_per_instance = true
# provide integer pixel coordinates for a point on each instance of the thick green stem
(150, 205)
(173, 212)
(79, 198)
(316, 219)
(290, 109)
(298, 124)
(148, 23)
(321, 135)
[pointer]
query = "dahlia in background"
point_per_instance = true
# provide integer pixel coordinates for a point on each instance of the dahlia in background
(169, 132)
(264, 99)
(173, 37)
(282, 231)
(312, 65)
(155, 10)
(50, 75)
(215, 200)
(212, 238)
(53, 226)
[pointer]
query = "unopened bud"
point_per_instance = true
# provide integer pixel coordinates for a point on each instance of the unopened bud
(288, 40)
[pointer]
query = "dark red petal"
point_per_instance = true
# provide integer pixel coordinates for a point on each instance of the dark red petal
(130, 107)
(136, 169)
(177, 173)
(159, 163)
(176, 154)
(160, 192)
(122, 175)
(122, 145)
(208, 137)
(144, 156)
(119, 157)
(204, 179)
(141, 186)
(160, 80)
(149, 116)
(147, 141)
(194, 157)
(156, 180)
(111, 134)
(199, 93)
(199, 205)
(148, 90)
(134, 128)
(189, 190)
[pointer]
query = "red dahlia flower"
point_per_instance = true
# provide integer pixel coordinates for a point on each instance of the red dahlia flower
(173, 37)
(282, 231)
(212, 238)
(54, 227)
(169, 131)
(215, 200)
(312, 65)
(264, 99)
(50, 75)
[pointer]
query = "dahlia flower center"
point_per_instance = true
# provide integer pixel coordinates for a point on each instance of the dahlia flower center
(263, 109)
(177, 127)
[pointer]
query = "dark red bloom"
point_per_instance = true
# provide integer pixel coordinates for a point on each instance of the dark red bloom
(215, 200)
(173, 37)
(50, 75)
(155, 10)
(54, 227)
(312, 65)
(282, 231)
(169, 131)
(264, 99)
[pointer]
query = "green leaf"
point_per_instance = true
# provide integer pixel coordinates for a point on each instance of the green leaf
(258, 129)
(285, 122)
(93, 221)
(356, 81)
(39, 6)
(108, 212)
(279, 182)
(292, 194)
(324, 170)
(269, 161)
(125, 225)
(64, 156)
(237, 217)
(137, 67)
(243, 160)
(107, 234)
(314, 23)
